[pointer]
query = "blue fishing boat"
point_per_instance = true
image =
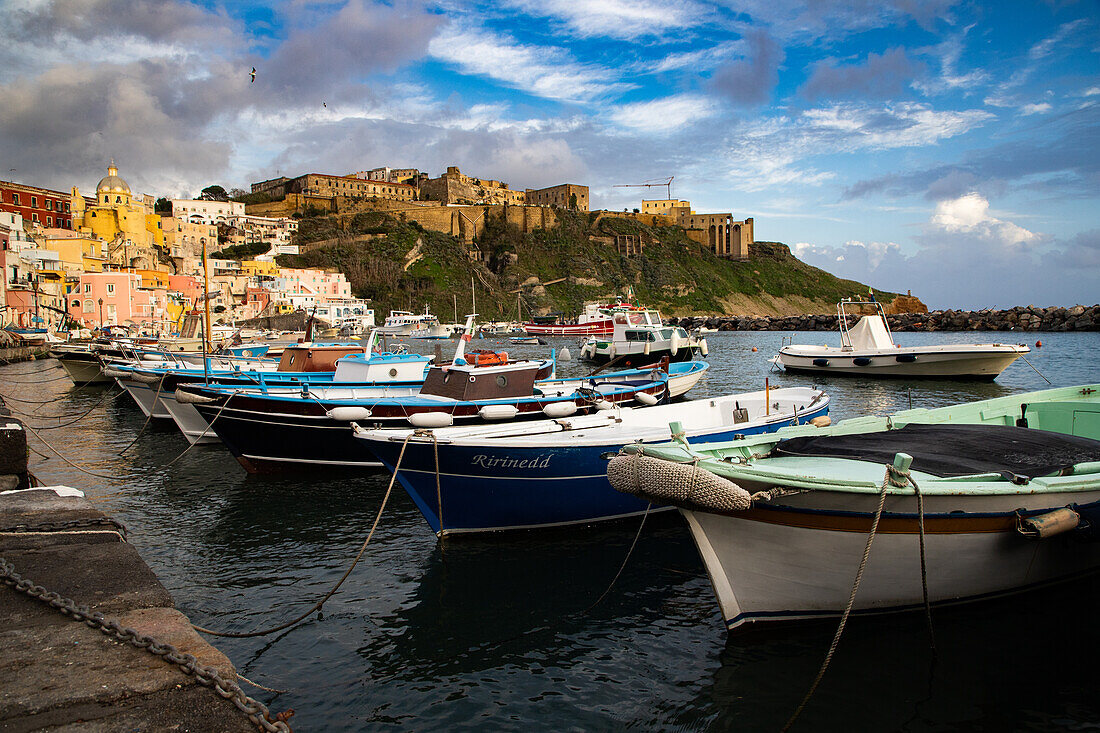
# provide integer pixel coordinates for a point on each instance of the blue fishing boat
(554, 472)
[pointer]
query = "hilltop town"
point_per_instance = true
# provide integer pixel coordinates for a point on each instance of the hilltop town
(123, 258)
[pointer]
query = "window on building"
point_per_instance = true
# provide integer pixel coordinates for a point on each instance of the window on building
(34, 202)
(15, 199)
(66, 207)
(49, 205)
(88, 305)
(49, 221)
(118, 199)
(34, 216)
(110, 287)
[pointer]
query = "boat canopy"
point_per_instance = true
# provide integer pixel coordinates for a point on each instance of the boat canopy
(955, 450)
(869, 333)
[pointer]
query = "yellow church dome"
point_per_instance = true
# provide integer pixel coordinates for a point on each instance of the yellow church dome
(112, 183)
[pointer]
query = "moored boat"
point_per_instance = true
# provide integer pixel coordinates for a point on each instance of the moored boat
(1009, 499)
(868, 349)
(553, 472)
(640, 336)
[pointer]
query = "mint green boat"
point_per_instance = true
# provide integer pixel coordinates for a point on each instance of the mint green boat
(1010, 489)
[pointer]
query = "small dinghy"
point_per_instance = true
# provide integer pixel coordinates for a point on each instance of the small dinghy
(867, 349)
(552, 472)
(1009, 499)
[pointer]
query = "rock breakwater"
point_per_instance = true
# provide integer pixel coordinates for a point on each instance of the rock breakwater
(1020, 318)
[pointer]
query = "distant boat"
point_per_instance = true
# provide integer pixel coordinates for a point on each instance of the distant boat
(781, 521)
(406, 323)
(640, 336)
(525, 340)
(867, 349)
(594, 321)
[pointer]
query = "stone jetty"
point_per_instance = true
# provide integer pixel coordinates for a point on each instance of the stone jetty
(1020, 318)
(62, 672)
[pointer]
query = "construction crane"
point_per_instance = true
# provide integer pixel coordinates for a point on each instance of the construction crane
(651, 183)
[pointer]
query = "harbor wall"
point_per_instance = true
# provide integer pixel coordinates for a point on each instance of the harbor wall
(62, 672)
(1020, 318)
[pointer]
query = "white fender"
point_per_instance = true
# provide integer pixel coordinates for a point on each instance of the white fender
(498, 412)
(189, 398)
(431, 419)
(560, 409)
(646, 398)
(112, 373)
(604, 404)
(347, 414)
(564, 354)
(674, 342)
(703, 349)
(611, 350)
(646, 348)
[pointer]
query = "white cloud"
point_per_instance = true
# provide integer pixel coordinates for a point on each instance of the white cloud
(664, 115)
(779, 151)
(626, 19)
(1034, 109)
(544, 71)
(969, 214)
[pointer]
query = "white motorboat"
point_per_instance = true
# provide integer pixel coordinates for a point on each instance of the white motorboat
(868, 349)
(407, 323)
(640, 336)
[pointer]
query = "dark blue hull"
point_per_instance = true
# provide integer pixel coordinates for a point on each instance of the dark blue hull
(498, 488)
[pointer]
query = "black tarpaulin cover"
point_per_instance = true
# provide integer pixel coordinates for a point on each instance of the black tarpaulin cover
(955, 450)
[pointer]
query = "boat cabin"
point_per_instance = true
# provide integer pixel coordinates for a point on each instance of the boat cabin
(312, 357)
(470, 382)
(381, 367)
(870, 332)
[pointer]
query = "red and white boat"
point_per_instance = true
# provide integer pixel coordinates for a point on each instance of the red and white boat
(596, 320)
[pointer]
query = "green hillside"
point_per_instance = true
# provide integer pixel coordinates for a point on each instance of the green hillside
(401, 265)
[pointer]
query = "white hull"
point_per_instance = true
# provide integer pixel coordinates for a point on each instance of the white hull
(193, 426)
(147, 398)
(768, 565)
(936, 361)
(84, 372)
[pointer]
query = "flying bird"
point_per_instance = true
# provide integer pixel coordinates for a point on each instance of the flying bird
(324, 104)
(253, 75)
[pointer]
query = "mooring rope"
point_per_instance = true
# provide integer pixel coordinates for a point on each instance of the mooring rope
(36, 381)
(77, 418)
(33, 371)
(629, 552)
(204, 432)
(66, 460)
(148, 417)
(890, 480)
(923, 562)
(317, 606)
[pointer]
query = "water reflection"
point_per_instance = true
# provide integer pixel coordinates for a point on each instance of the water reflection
(494, 631)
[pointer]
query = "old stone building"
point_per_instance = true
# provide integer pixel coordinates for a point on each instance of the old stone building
(327, 186)
(454, 187)
(565, 195)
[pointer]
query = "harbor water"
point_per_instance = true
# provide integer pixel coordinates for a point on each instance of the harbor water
(527, 630)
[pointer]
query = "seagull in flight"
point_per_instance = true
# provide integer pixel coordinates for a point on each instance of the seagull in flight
(253, 75)
(324, 104)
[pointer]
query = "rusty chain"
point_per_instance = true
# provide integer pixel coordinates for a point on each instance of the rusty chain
(70, 524)
(205, 675)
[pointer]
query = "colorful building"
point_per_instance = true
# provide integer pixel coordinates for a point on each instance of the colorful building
(132, 231)
(117, 297)
(41, 206)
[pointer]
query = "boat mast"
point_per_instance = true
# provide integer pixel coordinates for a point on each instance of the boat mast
(206, 298)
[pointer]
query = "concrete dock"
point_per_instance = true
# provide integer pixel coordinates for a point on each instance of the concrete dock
(62, 674)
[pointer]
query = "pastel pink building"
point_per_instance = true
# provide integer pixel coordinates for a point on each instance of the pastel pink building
(117, 298)
(317, 282)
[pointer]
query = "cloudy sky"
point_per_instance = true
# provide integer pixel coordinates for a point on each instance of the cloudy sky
(946, 147)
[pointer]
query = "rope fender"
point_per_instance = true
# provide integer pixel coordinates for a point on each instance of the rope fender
(679, 484)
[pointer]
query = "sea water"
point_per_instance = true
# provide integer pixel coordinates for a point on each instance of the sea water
(525, 631)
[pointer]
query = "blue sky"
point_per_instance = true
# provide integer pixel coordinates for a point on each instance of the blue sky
(946, 147)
